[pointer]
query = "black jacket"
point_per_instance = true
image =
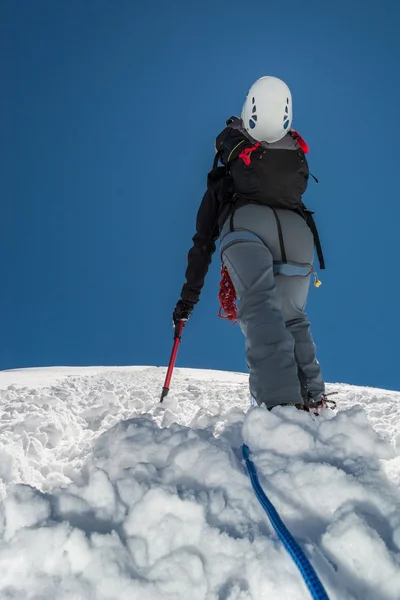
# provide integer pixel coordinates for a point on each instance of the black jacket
(207, 232)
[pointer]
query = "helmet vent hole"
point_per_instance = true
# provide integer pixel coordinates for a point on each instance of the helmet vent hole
(254, 109)
(253, 101)
(251, 124)
(286, 110)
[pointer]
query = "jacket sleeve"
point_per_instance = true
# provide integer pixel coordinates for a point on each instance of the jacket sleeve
(207, 232)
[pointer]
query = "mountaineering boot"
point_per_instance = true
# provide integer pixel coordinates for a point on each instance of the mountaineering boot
(312, 404)
(317, 404)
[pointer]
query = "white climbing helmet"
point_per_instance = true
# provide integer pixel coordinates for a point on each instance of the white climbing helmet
(267, 112)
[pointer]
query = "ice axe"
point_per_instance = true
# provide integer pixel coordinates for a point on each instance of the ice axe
(177, 338)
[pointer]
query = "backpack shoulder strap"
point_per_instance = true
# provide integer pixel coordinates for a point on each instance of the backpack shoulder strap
(229, 143)
(219, 145)
(309, 219)
(216, 159)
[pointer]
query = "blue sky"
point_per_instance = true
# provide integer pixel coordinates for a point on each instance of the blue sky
(109, 114)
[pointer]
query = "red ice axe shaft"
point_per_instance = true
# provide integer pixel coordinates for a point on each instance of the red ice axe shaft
(177, 338)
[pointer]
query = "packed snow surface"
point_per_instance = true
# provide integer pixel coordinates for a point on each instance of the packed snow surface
(108, 495)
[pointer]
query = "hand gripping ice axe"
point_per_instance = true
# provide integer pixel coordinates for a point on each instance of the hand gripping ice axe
(177, 338)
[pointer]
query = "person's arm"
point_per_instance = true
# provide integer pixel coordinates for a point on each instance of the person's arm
(207, 231)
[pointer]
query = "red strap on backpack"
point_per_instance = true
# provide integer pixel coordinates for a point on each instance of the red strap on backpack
(245, 155)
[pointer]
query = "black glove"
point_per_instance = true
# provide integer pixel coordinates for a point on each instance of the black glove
(182, 312)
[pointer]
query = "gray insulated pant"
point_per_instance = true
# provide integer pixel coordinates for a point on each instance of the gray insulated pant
(271, 299)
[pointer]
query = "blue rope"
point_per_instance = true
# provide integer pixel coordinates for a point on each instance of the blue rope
(309, 575)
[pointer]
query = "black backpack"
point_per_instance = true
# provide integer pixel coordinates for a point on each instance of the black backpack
(254, 173)
(276, 176)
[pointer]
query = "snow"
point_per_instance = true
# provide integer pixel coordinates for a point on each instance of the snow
(106, 494)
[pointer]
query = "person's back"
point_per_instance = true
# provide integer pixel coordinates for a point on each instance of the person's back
(267, 245)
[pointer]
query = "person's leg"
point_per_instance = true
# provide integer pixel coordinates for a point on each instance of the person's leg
(292, 297)
(269, 344)
(291, 291)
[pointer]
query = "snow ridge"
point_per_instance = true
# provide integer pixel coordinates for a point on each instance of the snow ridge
(108, 495)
